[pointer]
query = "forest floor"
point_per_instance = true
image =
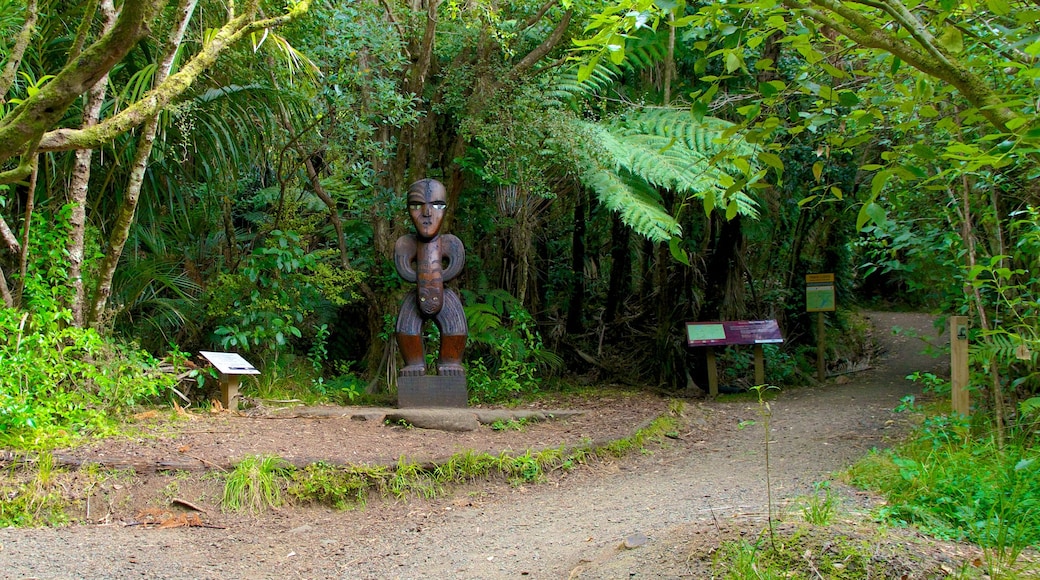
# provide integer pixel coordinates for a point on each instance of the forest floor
(661, 513)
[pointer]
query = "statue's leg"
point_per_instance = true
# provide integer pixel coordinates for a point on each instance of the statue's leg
(409, 338)
(452, 323)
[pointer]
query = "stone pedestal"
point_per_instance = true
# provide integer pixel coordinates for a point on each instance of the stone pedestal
(432, 391)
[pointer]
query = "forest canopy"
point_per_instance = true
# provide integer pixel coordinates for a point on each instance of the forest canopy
(200, 175)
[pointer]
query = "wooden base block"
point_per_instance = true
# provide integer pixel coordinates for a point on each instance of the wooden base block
(432, 391)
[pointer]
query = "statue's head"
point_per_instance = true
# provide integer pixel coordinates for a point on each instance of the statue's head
(427, 201)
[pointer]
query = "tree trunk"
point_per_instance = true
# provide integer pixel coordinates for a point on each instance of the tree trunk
(125, 219)
(576, 307)
(620, 268)
(79, 185)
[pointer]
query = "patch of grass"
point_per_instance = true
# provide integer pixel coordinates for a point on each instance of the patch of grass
(832, 552)
(510, 424)
(346, 486)
(255, 484)
(36, 501)
(820, 507)
(325, 483)
(954, 485)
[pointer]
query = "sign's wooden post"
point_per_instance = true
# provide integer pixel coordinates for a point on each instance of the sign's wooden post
(713, 374)
(959, 365)
(819, 298)
(230, 366)
(821, 347)
(760, 366)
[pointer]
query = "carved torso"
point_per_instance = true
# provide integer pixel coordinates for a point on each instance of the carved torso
(429, 264)
(430, 279)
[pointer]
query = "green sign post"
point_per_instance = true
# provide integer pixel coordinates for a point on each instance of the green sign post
(819, 298)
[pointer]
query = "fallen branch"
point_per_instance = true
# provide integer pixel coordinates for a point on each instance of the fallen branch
(189, 505)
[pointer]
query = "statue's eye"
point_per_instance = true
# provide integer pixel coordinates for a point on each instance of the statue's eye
(415, 206)
(439, 205)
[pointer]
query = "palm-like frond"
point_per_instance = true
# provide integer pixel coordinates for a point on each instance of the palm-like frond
(564, 88)
(667, 149)
(639, 206)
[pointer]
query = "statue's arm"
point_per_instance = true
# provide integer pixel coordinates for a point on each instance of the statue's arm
(454, 252)
(404, 257)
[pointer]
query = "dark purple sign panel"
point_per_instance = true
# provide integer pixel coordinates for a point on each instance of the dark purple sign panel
(733, 332)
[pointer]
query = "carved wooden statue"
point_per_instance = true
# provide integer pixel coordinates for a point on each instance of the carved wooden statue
(430, 259)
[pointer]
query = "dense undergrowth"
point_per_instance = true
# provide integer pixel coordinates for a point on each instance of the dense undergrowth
(954, 482)
(60, 383)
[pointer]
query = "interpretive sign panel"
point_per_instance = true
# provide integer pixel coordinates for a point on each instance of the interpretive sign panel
(230, 363)
(733, 332)
(819, 293)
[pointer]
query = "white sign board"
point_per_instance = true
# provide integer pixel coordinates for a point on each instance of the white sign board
(230, 363)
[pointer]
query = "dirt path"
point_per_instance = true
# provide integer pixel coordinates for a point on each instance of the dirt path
(568, 527)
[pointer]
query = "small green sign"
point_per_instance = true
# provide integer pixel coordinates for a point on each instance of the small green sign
(705, 332)
(819, 298)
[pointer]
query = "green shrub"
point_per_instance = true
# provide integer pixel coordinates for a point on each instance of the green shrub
(59, 382)
(958, 486)
(506, 357)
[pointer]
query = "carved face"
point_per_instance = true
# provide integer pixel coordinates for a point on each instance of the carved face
(427, 201)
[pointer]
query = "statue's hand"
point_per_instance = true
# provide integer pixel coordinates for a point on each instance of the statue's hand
(404, 257)
(454, 252)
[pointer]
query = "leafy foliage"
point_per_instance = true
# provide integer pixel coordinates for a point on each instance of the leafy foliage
(506, 353)
(666, 148)
(956, 485)
(59, 383)
(280, 285)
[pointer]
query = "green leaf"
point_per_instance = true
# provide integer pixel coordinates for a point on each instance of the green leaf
(1032, 134)
(708, 201)
(952, 40)
(772, 160)
(870, 212)
(877, 183)
(733, 62)
(678, 253)
(817, 171)
(848, 98)
(731, 210)
(923, 151)
(999, 7)
(699, 110)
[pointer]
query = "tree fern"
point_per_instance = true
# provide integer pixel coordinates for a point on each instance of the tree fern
(639, 206)
(665, 148)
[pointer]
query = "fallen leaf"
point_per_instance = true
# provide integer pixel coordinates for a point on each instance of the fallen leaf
(152, 414)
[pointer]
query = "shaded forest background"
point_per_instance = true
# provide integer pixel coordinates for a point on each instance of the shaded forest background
(199, 175)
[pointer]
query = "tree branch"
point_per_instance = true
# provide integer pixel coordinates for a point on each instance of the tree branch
(174, 86)
(542, 49)
(41, 111)
(14, 59)
(869, 35)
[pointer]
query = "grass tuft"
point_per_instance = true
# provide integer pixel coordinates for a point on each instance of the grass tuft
(255, 484)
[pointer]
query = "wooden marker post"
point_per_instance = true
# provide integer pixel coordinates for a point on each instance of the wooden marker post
(819, 298)
(230, 366)
(713, 374)
(760, 365)
(960, 401)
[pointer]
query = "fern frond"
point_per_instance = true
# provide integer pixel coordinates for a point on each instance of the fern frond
(564, 88)
(668, 148)
(638, 207)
